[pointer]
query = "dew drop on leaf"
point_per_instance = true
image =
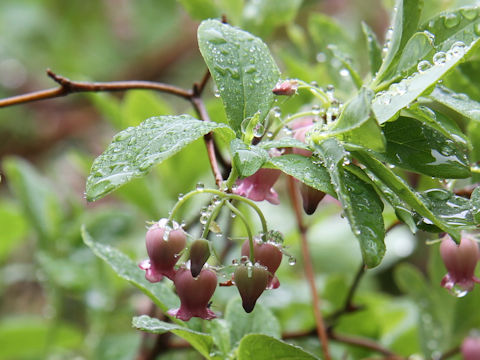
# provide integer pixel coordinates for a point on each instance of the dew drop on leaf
(423, 66)
(439, 58)
(451, 20)
(200, 186)
(469, 13)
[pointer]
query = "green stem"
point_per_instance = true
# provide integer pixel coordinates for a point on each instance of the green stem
(231, 178)
(290, 118)
(316, 91)
(249, 232)
(225, 196)
(212, 217)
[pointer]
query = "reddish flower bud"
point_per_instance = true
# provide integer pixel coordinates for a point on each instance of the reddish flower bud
(471, 348)
(251, 281)
(258, 187)
(460, 261)
(194, 294)
(164, 246)
(286, 87)
(310, 196)
(268, 255)
(199, 254)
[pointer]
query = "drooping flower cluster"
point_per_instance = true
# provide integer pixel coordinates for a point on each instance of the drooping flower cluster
(460, 261)
(196, 282)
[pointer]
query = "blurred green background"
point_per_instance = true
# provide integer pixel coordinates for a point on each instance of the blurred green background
(57, 300)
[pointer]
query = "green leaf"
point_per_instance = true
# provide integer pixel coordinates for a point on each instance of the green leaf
(262, 347)
(373, 47)
(220, 331)
(356, 124)
(360, 203)
(414, 146)
(459, 103)
(200, 9)
(437, 120)
(243, 69)
(402, 190)
(285, 142)
(263, 16)
(475, 199)
(419, 47)
(405, 21)
(306, 170)
(134, 151)
(399, 95)
(260, 321)
(247, 159)
(37, 196)
(202, 342)
(455, 211)
(160, 293)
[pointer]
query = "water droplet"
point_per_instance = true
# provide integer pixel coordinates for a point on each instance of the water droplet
(200, 186)
(344, 72)
(180, 196)
(321, 57)
(214, 36)
(476, 28)
(423, 66)
(259, 130)
(314, 83)
(269, 135)
(216, 93)
(203, 219)
(469, 13)
(315, 110)
(430, 36)
(458, 291)
(451, 20)
(439, 58)
(292, 261)
(166, 233)
(276, 112)
(458, 49)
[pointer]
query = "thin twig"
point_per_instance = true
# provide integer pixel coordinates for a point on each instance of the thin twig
(68, 86)
(449, 353)
(364, 343)
(309, 273)
(199, 107)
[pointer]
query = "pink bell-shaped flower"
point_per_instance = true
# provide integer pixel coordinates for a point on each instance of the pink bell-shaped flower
(460, 261)
(164, 245)
(471, 348)
(194, 294)
(258, 187)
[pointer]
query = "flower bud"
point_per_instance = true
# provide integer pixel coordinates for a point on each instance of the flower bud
(268, 255)
(310, 196)
(164, 246)
(199, 254)
(194, 294)
(471, 348)
(286, 87)
(460, 261)
(251, 281)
